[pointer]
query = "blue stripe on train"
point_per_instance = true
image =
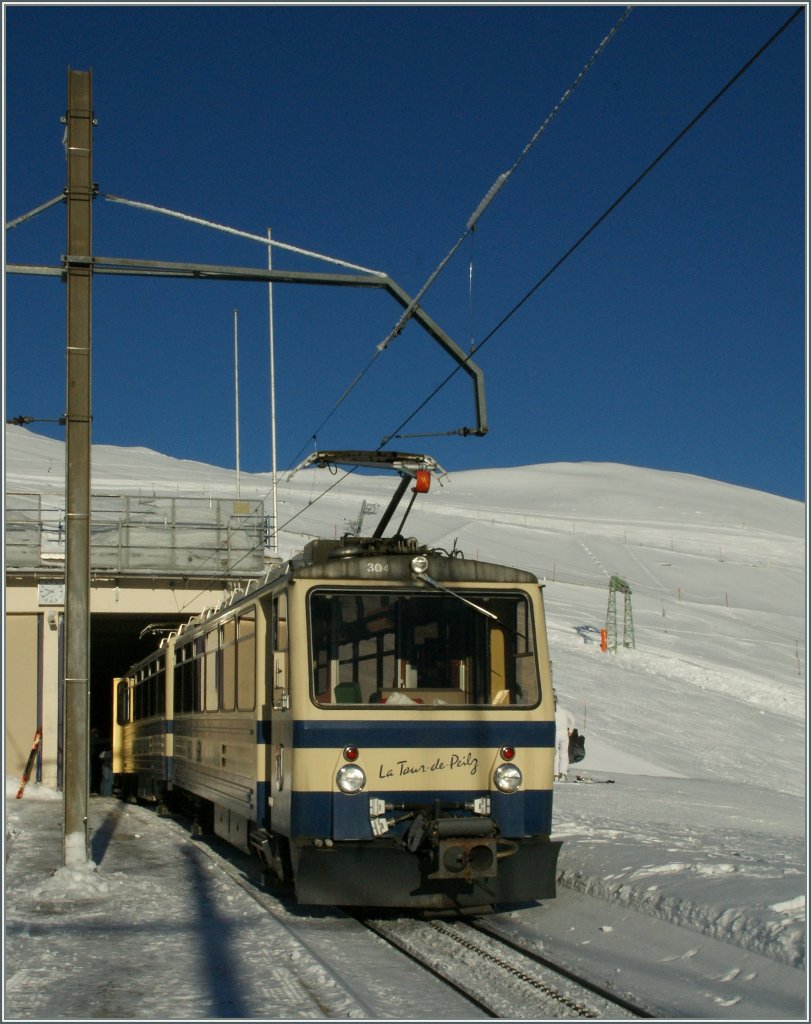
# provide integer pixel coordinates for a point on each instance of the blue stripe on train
(347, 817)
(405, 734)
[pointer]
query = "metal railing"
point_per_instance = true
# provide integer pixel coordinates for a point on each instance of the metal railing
(141, 535)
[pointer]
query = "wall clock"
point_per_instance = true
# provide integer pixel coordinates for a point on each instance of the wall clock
(51, 593)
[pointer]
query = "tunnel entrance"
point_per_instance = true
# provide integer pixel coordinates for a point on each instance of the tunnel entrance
(115, 645)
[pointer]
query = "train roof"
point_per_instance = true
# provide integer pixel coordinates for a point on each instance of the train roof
(389, 558)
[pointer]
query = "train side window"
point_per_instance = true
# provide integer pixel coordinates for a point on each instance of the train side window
(228, 688)
(137, 699)
(180, 673)
(228, 665)
(160, 696)
(246, 661)
(186, 681)
(246, 624)
(198, 672)
(178, 678)
(212, 650)
(151, 692)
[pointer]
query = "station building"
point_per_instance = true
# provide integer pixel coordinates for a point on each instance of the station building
(155, 562)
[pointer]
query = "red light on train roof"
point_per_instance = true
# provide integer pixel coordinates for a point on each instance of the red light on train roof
(351, 753)
(508, 753)
(422, 481)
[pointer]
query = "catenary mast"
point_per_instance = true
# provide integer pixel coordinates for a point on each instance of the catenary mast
(78, 276)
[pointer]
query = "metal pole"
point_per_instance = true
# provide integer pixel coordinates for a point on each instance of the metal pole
(272, 399)
(236, 395)
(79, 193)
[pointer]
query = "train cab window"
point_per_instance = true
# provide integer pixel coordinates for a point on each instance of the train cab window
(403, 648)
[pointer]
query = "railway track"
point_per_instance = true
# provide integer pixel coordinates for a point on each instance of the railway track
(492, 972)
(497, 975)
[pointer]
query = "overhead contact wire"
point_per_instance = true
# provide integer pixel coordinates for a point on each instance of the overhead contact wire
(499, 183)
(489, 196)
(470, 226)
(576, 245)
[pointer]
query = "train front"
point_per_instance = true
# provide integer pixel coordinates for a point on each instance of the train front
(421, 760)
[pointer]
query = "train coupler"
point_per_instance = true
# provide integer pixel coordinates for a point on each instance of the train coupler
(457, 847)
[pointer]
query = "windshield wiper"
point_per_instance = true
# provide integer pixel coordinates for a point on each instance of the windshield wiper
(464, 600)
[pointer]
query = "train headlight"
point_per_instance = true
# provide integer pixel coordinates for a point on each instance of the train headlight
(351, 778)
(419, 565)
(508, 778)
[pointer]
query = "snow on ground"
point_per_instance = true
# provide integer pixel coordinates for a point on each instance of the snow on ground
(689, 870)
(158, 932)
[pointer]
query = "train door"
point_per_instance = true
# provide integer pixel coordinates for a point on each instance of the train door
(281, 717)
(120, 718)
(123, 739)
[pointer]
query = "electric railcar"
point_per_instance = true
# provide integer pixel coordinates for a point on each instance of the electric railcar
(375, 720)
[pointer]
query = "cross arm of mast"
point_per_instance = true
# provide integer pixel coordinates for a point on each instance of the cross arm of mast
(204, 271)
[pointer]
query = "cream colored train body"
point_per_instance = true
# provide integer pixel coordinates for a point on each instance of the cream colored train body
(375, 721)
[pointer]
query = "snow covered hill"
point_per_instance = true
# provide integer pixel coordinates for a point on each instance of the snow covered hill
(702, 723)
(717, 575)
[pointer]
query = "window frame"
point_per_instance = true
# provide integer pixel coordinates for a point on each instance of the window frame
(473, 668)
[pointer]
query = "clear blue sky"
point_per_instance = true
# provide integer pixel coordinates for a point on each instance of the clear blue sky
(674, 337)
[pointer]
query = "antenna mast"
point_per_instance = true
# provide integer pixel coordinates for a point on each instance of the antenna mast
(272, 398)
(236, 396)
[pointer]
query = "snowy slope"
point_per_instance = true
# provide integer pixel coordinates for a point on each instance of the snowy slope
(702, 724)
